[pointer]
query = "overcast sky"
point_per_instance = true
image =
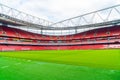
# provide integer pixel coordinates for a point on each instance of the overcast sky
(57, 10)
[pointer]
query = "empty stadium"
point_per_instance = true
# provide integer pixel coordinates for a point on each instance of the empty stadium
(36, 49)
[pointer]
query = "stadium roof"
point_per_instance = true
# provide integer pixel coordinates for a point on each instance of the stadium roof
(104, 17)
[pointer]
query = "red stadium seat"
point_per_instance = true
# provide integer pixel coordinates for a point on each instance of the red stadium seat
(16, 39)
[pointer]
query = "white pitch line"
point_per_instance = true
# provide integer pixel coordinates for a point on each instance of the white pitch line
(17, 63)
(4, 67)
(28, 60)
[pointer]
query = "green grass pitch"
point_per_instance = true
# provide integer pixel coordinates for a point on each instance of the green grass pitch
(60, 65)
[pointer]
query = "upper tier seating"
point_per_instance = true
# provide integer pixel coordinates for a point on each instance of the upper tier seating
(102, 32)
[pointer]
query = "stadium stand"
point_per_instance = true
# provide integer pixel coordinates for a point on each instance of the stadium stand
(15, 39)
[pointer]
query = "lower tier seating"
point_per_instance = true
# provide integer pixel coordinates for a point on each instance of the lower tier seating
(83, 47)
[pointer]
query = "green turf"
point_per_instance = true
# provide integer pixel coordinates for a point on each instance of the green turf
(60, 65)
(92, 58)
(18, 69)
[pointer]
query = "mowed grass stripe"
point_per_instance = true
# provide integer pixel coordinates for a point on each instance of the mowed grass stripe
(36, 70)
(109, 59)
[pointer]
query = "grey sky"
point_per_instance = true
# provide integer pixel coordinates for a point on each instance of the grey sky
(56, 10)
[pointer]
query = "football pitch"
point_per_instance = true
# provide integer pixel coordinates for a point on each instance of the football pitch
(60, 65)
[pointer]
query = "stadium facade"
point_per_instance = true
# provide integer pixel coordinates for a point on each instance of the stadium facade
(95, 30)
